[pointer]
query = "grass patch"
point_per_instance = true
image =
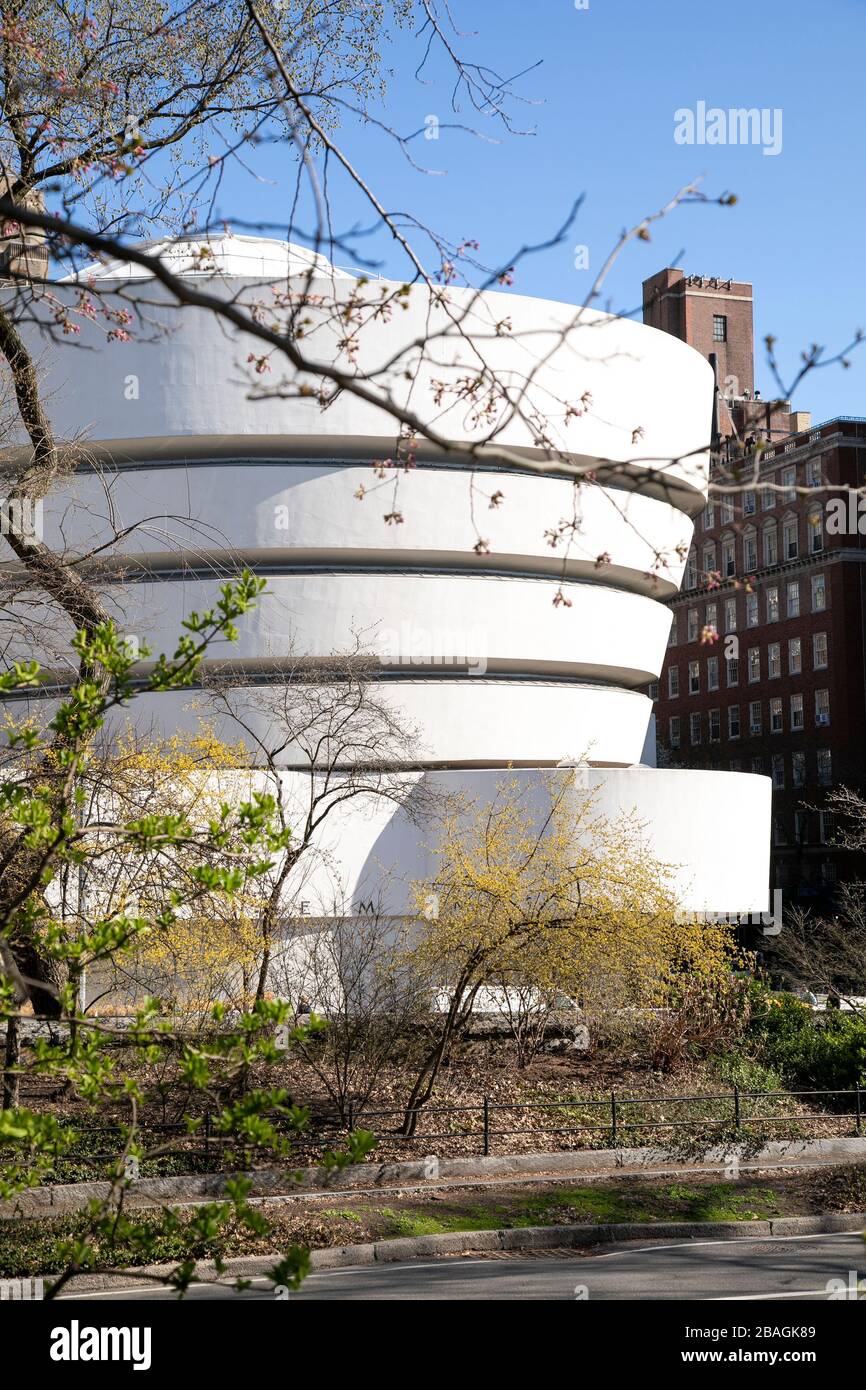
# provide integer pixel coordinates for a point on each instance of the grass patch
(34, 1246)
(598, 1204)
(722, 1202)
(407, 1223)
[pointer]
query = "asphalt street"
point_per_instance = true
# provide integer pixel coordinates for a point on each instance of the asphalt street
(782, 1268)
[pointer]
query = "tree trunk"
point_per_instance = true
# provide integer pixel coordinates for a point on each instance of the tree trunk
(270, 917)
(11, 1078)
(62, 584)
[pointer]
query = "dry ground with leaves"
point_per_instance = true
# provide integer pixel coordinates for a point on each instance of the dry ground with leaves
(558, 1087)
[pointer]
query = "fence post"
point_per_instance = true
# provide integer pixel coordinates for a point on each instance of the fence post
(350, 1119)
(613, 1126)
(486, 1126)
(737, 1106)
(857, 1098)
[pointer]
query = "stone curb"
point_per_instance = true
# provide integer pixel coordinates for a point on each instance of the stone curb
(484, 1242)
(145, 1192)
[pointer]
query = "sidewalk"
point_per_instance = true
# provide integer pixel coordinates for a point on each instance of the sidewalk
(432, 1172)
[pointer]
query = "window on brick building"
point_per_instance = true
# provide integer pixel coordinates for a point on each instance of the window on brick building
(754, 663)
(691, 571)
(673, 635)
(695, 728)
(790, 538)
(653, 691)
(755, 720)
(825, 767)
(749, 503)
(709, 516)
(801, 827)
(776, 716)
(778, 771)
(773, 603)
(733, 721)
(792, 592)
(779, 834)
(729, 557)
(798, 769)
(819, 593)
(771, 543)
(673, 682)
(711, 615)
(829, 870)
(758, 766)
(797, 721)
(774, 660)
(768, 499)
(715, 725)
(826, 828)
(694, 677)
(720, 328)
(822, 707)
(732, 667)
(813, 473)
(795, 656)
(692, 622)
(789, 483)
(750, 549)
(752, 618)
(674, 731)
(726, 508)
(712, 673)
(709, 558)
(730, 615)
(819, 651)
(815, 530)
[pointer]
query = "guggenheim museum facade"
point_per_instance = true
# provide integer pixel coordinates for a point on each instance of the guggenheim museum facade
(500, 650)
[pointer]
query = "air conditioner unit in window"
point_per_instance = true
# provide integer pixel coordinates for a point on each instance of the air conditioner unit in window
(822, 717)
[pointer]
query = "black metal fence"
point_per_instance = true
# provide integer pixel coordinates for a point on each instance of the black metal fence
(604, 1122)
(616, 1111)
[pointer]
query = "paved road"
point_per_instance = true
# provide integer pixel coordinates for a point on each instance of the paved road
(793, 1267)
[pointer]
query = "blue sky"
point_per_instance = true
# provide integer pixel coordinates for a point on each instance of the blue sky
(602, 111)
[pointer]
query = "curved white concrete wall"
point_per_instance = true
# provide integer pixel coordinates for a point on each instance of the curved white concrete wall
(292, 512)
(485, 622)
(650, 393)
(471, 648)
(477, 722)
(531, 683)
(375, 857)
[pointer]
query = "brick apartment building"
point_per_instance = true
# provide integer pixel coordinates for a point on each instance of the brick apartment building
(780, 577)
(691, 307)
(715, 317)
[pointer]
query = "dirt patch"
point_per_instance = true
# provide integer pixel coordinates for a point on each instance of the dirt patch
(568, 1098)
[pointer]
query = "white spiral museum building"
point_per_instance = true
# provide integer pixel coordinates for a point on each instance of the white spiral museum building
(471, 647)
